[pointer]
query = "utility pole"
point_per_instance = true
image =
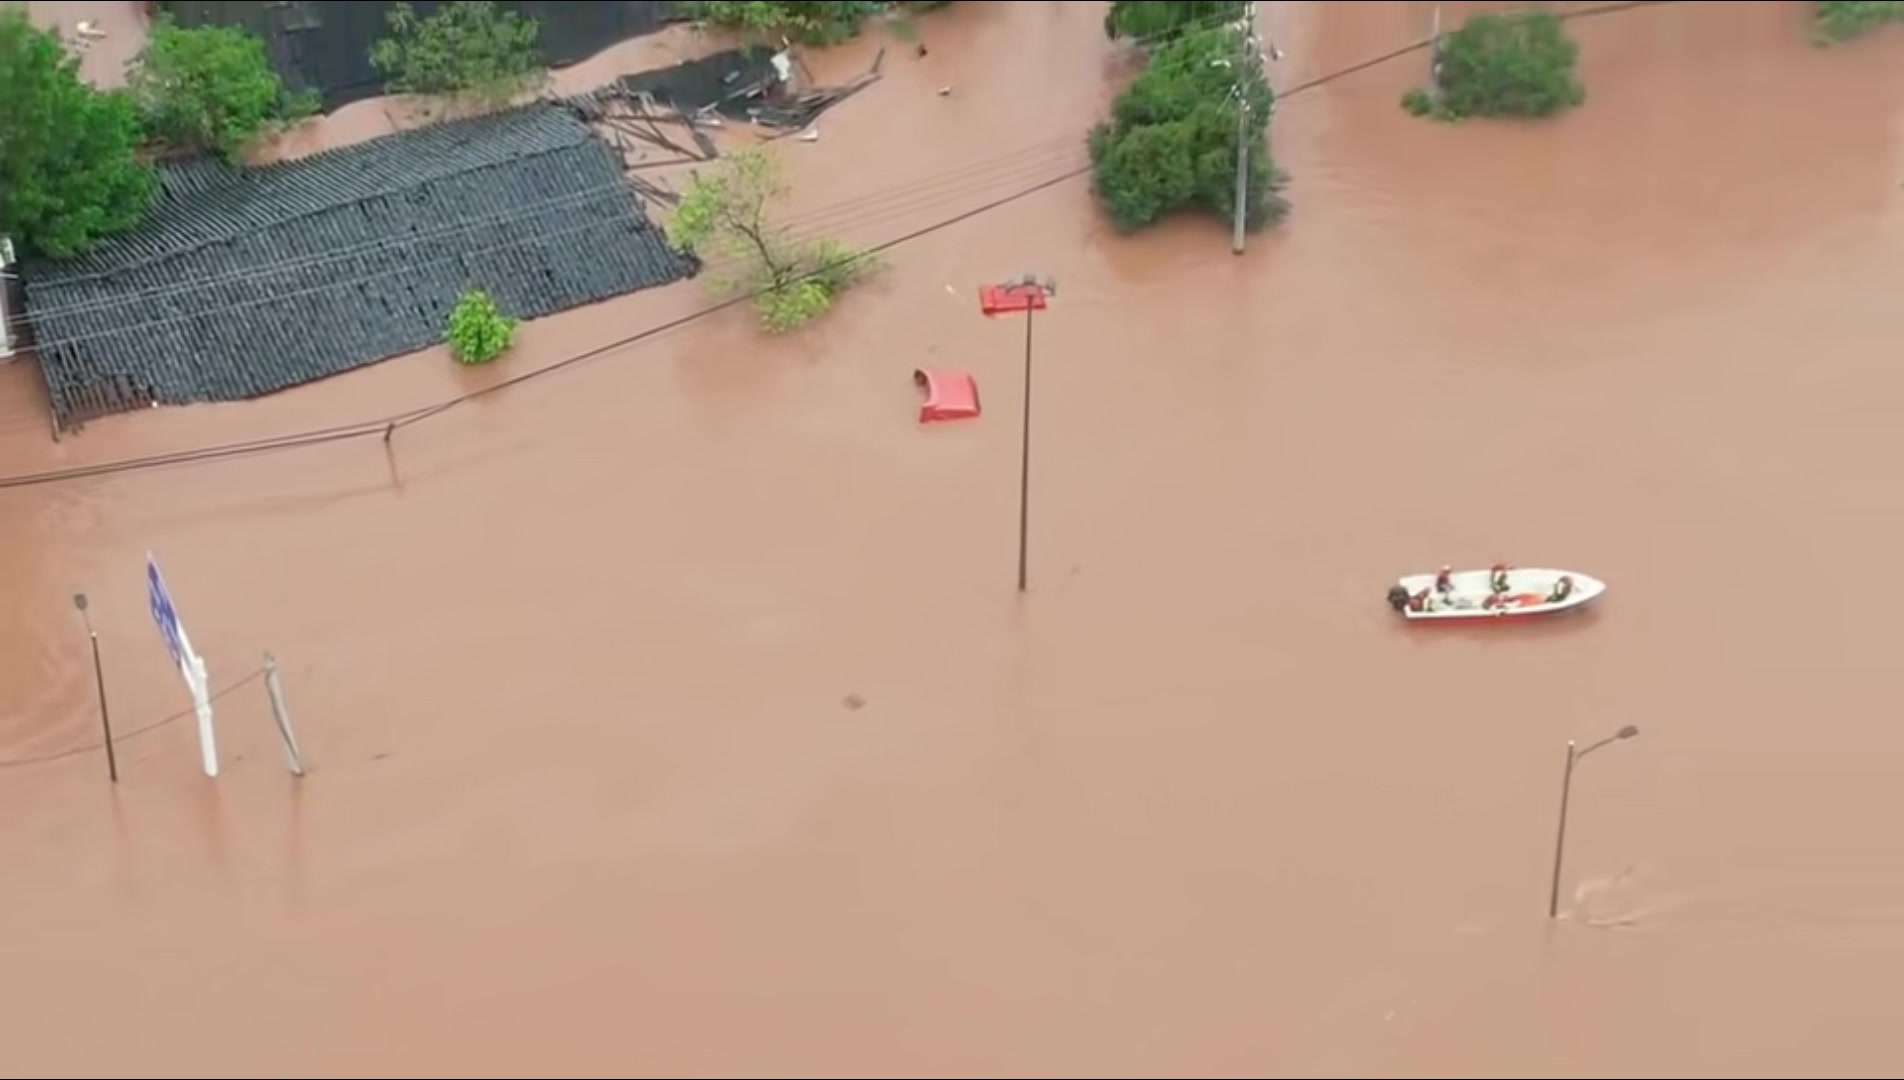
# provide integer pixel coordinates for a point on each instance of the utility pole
(99, 681)
(1245, 67)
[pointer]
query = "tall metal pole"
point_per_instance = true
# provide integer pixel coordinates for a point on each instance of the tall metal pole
(1024, 460)
(99, 681)
(1560, 838)
(1566, 789)
(1243, 69)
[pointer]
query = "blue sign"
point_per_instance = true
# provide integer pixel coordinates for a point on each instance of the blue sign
(163, 613)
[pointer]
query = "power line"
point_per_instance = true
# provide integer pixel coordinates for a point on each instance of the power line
(521, 212)
(1066, 146)
(389, 424)
(542, 207)
(170, 290)
(75, 751)
(810, 230)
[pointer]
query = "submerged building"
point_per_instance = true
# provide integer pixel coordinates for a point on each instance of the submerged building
(242, 282)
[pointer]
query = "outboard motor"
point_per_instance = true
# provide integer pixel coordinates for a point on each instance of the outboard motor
(1398, 598)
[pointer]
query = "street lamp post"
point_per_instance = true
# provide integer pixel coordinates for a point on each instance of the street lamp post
(99, 680)
(1028, 295)
(1574, 754)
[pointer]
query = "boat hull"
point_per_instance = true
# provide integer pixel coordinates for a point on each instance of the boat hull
(1528, 595)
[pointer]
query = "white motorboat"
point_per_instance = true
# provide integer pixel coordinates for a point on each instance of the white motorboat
(1501, 592)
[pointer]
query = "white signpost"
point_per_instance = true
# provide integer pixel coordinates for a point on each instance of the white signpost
(190, 664)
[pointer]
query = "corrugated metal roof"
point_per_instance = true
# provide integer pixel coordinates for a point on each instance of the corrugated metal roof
(246, 282)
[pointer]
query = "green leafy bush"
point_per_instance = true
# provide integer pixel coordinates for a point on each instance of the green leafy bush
(209, 89)
(471, 52)
(478, 331)
(1152, 18)
(1170, 143)
(1841, 20)
(1505, 65)
(814, 22)
(69, 176)
(726, 217)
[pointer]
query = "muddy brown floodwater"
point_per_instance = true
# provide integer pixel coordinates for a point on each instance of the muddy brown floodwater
(573, 664)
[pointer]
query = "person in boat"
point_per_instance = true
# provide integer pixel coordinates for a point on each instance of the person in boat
(1562, 589)
(1497, 578)
(1444, 581)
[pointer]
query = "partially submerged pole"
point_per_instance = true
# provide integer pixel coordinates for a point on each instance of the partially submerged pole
(281, 714)
(99, 681)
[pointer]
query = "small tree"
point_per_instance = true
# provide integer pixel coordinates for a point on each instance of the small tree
(478, 330)
(470, 52)
(209, 89)
(1842, 20)
(68, 174)
(727, 216)
(1170, 144)
(1153, 18)
(1504, 65)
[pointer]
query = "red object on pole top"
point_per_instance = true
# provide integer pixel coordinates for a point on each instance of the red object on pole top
(1011, 299)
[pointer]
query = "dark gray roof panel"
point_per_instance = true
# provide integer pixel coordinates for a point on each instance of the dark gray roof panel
(241, 284)
(203, 201)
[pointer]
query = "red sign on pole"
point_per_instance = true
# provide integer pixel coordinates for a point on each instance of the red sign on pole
(1010, 299)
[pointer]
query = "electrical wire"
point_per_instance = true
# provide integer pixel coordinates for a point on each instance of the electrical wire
(249, 277)
(535, 208)
(522, 212)
(389, 424)
(119, 738)
(812, 226)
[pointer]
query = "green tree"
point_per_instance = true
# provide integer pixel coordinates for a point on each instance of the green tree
(814, 22)
(68, 173)
(209, 88)
(1170, 143)
(1504, 65)
(471, 52)
(1152, 18)
(1842, 20)
(726, 217)
(478, 331)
